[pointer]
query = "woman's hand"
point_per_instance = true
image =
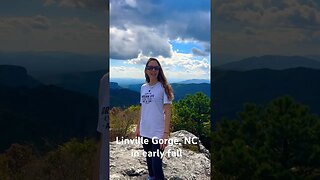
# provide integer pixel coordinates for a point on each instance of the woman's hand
(137, 133)
(165, 138)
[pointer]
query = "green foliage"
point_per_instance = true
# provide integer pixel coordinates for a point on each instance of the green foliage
(192, 113)
(278, 141)
(17, 157)
(72, 160)
(4, 169)
(122, 121)
(15, 161)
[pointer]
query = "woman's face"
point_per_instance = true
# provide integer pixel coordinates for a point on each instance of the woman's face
(152, 70)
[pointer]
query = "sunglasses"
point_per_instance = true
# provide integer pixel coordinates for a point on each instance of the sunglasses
(153, 67)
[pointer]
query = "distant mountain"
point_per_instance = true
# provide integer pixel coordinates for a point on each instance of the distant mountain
(88, 83)
(234, 88)
(16, 76)
(114, 85)
(41, 64)
(194, 81)
(271, 62)
(315, 57)
(135, 87)
(125, 82)
(181, 90)
(44, 116)
(123, 97)
(83, 82)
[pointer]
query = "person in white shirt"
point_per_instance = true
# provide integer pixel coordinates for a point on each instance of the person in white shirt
(103, 127)
(156, 97)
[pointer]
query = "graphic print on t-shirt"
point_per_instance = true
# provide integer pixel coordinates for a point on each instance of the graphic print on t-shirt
(147, 97)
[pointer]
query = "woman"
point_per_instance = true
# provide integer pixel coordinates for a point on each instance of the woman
(155, 98)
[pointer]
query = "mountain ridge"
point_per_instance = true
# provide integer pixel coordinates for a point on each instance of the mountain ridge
(42, 114)
(234, 88)
(276, 62)
(41, 64)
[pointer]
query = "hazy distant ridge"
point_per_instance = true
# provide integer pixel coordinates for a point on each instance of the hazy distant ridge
(36, 113)
(271, 62)
(47, 63)
(234, 88)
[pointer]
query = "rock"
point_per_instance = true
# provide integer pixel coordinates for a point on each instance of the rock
(182, 159)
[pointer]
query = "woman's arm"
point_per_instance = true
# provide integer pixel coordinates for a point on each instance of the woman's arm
(167, 120)
(138, 124)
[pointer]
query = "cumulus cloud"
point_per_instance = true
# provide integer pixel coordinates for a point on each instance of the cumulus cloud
(198, 52)
(40, 22)
(49, 2)
(185, 24)
(93, 4)
(140, 29)
(128, 42)
(65, 34)
(251, 28)
(289, 13)
(141, 59)
(286, 41)
(179, 62)
(131, 3)
(125, 72)
(183, 65)
(26, 23)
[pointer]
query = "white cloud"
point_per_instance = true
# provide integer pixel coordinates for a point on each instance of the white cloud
(131, 3)
(285, 41)
(125, 72)
(91, 4)
(180, 65)
(141, 59)
(199, 52)
(253, 28)
(170, 22)
(64, 34)
(26, 23)
(143, 29)
(49, 2)
(127, 43)
(264, 13)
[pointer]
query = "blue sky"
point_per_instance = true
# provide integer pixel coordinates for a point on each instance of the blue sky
(175, 32)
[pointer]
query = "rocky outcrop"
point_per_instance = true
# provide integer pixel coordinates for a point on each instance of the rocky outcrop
(182, 159)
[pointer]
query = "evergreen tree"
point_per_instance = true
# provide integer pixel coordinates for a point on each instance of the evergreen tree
(192, 113)
(278, 141)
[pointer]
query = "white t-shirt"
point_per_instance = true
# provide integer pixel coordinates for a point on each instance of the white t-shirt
(103, 127)
(152, 99)
(103, 104)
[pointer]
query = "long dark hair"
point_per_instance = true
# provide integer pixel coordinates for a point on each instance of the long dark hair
(161, 78)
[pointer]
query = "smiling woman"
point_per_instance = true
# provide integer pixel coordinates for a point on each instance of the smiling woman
(176, 34)
(155, 98)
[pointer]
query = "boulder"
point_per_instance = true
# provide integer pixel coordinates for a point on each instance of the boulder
(184, 158)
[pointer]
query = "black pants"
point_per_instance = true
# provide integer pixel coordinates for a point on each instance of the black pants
(155, 162)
